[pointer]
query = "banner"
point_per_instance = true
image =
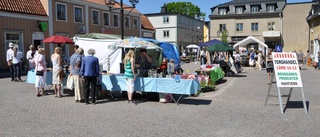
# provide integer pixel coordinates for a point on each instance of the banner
(102, 52)
(286, 69)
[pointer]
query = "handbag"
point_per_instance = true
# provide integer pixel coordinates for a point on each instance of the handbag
(39, 73)
(62, 74)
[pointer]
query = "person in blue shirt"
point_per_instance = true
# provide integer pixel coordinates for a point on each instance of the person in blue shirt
(252, 59)
(90, 74)
(75, 65)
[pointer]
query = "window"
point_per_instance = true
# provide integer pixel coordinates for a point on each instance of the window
(166, 33)
(254, 9)
(222, 27)
(271, 25)
(106, 19)
(115, 20)
(61, 12)
(270, 8)
(239, 10)
(222, 11)
(127, 22)
(135, 23)
(254, 26)
(15, 38)
(239, 26)
(165, 19)
(78, 14)
(95, 17)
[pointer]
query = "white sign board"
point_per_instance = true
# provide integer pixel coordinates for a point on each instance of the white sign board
(286, 69)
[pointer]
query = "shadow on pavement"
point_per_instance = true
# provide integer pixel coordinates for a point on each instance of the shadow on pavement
(195, 101)
(295, 105)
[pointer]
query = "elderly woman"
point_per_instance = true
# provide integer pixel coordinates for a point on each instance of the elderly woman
(30, 56)
(40, 68)
(56, 68)
(75, 65)
(16, 60)
(90, 74)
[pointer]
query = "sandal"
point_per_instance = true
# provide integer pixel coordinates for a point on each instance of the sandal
(38, 95)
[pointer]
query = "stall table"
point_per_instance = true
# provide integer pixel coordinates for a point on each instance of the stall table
(31, 78)
(151, 84)
(215, 74)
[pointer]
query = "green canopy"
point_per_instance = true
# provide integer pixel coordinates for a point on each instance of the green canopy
(220, 47)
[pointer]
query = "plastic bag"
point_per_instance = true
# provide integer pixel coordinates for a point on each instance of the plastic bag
(70, 82)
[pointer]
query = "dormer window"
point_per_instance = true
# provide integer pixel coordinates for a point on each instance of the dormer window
(222, 11)
(271, 8)
(255, 8)
(239, 10)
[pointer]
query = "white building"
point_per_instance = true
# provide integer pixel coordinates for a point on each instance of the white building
(176, 28)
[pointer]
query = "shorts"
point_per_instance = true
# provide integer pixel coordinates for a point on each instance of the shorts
(130, 85)
(269, 70)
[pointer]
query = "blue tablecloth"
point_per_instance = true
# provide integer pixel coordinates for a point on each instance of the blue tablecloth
(150, 84)
(31, 77)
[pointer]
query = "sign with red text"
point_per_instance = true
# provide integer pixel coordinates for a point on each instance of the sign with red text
(286, 69)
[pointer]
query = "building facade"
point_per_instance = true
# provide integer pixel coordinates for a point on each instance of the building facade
(177, 28)
(68, 18)
(314, 27)
(258, 18)
(295, 27)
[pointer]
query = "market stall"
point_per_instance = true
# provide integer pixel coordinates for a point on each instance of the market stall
(177, 85)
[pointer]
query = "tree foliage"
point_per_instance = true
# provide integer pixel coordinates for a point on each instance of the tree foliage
(224, 36)
(186, 8)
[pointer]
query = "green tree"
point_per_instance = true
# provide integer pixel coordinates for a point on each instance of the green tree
(186, 8)
(224, 36)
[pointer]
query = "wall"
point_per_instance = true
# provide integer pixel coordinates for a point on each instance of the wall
(295, 27)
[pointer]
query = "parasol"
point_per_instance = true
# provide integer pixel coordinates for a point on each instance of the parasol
(58, 40)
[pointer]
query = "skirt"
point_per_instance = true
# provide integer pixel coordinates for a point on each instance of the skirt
(55, 77)
(40, 82)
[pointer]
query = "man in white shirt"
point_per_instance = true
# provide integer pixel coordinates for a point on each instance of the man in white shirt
(30, 55)
(10, 54)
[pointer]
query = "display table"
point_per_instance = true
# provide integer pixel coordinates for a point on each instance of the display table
(150, 84)
(31, 78)
(216, 74)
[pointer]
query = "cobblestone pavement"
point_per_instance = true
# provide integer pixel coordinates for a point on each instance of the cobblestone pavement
(235, 109)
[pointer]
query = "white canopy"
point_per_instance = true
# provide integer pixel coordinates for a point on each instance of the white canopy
(192, 46)
(251, 39)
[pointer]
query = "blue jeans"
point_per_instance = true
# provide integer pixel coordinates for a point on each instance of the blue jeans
(17, 69)
(318, 63)
(12, 72)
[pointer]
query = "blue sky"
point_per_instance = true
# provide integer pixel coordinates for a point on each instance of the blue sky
(154, 6)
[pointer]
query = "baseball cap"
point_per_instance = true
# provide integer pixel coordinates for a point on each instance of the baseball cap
(10, 45)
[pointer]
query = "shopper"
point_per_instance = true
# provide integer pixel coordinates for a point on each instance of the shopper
(9, 60)
(269, 66)
(129, 72)
(90, 74)
(75, 65)
(30, 56)
(16, 60)
(56, 68)
(40, 69)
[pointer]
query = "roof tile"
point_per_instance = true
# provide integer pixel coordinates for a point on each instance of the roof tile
(23, 6)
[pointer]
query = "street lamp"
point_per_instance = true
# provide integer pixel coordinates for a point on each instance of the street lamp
(111, 3)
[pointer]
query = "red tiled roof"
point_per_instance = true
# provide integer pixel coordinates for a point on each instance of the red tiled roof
(145, 22)
(23, 6)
